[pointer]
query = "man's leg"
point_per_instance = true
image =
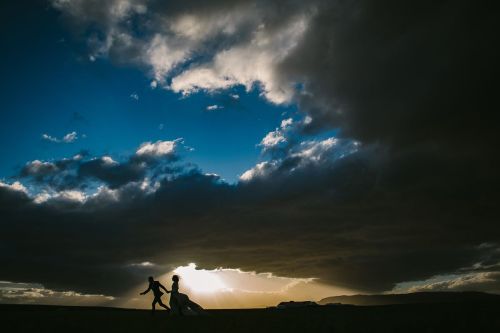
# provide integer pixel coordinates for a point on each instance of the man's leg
(163, 305)
(153, 306)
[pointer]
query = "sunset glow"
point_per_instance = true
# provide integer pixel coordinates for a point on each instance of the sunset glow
(200, 280)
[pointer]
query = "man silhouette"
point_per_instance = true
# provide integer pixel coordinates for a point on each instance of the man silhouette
(155, 287)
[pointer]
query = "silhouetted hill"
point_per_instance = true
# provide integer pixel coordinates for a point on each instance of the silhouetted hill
(413, 298)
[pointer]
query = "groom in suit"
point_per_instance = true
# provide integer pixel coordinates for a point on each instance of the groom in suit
(155, 287)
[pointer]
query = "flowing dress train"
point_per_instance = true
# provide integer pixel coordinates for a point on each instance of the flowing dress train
(180, 304)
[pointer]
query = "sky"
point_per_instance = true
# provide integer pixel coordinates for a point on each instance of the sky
(262, 150)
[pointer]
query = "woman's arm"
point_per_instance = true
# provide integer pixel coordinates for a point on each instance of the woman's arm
(162, 287)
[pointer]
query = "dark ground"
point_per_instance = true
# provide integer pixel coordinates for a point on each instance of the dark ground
(427, 318)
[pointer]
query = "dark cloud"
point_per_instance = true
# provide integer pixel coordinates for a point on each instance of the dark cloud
(112, 173)
(401, 73)
(151, 159)
(364, 221)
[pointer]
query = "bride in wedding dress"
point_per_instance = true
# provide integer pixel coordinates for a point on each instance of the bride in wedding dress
(180, 304)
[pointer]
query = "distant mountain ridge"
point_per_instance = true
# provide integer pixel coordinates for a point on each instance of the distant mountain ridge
(412, 298)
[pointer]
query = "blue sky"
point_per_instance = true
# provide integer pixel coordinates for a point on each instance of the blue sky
(50, 86)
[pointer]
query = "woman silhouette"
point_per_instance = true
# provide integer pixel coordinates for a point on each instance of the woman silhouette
(180, 304)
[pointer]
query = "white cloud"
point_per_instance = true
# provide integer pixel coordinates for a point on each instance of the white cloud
(278, 136)
(15, 186)
(247, 65)
(304, 154)
(286, 123)
(163, 54)
(272, 139)
(105, 195)
(307, 120)
(42, 197)
(201, 78)
(66, 195)
(68, 138)
(158, 148)
(315, 150)
(134, 96)
(144, 264)
(35, 293)
(178, 38)
(49, 138)
(214, 107)
(197, 27)
(260, 170)
(37, 167)
(481, 281)
(72, 195)
(113, 11)
(107, 160)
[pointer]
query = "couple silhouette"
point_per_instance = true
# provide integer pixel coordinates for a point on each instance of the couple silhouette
(180, 304)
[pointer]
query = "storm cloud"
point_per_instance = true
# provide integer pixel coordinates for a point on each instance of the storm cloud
(362, 221)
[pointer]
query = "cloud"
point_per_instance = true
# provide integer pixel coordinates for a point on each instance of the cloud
(68, 138)
(250, 40)
(231, 67)
(260, 170)
(352, 216)
(40, 170)
(383, 73)
(158, 148)
(32, 293)
(484, 281)
(272, 139)
(134, 96)
(15, 186)
(278, 137)
(390, 73)
(151, 159)
(49, 138)
(162, 56)
(214, 107)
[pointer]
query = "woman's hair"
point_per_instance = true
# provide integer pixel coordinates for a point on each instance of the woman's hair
(175, 278)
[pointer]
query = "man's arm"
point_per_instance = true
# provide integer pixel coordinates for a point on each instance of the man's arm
(147, 290)
(161, 286)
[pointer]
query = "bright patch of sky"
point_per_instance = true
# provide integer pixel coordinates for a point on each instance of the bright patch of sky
(233, 287)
